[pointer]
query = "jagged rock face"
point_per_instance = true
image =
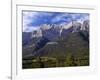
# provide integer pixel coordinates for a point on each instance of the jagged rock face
(45, 27)
(85, 25)
(36, 33)
(76, 26)
(52, 32)
(65, 32)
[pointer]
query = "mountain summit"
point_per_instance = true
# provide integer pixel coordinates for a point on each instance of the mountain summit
(57, 30)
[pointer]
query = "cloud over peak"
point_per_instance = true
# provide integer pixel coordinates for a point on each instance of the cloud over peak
(33, 19)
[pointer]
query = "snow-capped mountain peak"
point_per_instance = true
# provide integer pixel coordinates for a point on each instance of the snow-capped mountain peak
(57, 30)
(45, 27)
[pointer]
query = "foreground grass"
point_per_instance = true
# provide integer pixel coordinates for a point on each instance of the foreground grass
(47, 62)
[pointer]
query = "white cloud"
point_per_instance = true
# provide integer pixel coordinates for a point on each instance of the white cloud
(31, 28)
(46, 13)
(83, 18)
(60, 17)
(28, 17)
(31, 17)
(74, 16)
(69, 17)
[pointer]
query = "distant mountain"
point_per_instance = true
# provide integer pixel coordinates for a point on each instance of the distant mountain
(74, 33)
(56, 30)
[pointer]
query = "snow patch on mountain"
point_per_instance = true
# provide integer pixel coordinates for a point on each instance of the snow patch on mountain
(54, 29)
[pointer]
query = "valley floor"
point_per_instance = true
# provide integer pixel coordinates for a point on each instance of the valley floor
(47, 62)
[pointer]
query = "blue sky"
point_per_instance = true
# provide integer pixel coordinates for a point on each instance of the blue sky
(33, 19)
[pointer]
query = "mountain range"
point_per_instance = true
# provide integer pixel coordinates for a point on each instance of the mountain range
(53, 40)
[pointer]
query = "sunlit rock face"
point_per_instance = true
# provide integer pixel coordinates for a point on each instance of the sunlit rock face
(54, 31)
(85, 25)
(36, 33)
